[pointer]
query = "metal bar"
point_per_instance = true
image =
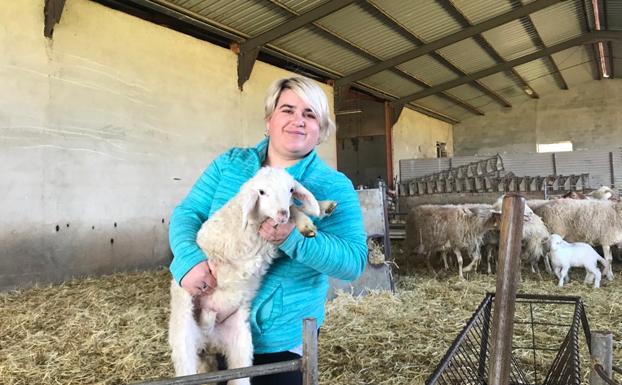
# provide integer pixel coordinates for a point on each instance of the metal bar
(294, 24)
(388, 143)
(483, 351)
(507, 284)
(224, 375)
(584, 39)
(447, 40)
(52, 12)
(309, 352)
(596, 67)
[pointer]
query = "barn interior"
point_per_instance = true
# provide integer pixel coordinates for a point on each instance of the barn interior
(111, 109)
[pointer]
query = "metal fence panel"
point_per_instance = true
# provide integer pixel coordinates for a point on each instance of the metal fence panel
(529, 164)
(616, 155)
(414, 168)
(596, 163)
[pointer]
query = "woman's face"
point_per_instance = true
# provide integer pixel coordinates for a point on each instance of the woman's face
(293, 128)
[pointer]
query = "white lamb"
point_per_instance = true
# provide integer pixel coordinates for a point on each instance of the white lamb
(218, 322)
(565, 255)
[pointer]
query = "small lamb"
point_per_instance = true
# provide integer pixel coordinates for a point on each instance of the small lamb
(218, 322)
(565, 255)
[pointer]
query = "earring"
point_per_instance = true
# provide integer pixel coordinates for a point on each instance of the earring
(266, 133)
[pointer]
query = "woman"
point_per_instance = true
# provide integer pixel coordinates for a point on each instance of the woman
(297, 119)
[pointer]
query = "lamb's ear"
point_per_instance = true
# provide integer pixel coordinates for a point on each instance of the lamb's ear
(248, 204)
(309, 203)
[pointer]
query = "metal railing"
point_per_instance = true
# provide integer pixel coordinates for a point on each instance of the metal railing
(307, 364)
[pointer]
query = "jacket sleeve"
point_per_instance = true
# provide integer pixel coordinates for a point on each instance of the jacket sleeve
(340, 247)
(188, 217)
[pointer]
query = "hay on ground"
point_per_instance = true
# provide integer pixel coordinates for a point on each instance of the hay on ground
(112, 330)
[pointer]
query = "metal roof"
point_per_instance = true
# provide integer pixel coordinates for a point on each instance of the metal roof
(450, 59)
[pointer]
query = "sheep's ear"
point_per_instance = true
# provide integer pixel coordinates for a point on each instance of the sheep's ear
(250, 200)
(309, 203)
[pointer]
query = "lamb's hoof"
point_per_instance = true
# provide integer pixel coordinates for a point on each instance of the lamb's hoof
(329, 207)
(308, 232)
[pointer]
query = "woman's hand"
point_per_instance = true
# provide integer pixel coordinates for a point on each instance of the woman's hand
(275, 233)
(201, 279)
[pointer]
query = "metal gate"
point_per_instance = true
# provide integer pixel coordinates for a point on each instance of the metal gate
(535, 361)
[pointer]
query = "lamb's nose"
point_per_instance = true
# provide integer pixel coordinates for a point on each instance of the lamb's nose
(282, 216)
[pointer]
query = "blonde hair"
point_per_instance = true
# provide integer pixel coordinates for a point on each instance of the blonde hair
(310, 93)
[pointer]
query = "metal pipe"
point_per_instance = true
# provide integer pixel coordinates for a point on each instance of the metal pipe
(507, 284)
(309, 352)
(602, 354)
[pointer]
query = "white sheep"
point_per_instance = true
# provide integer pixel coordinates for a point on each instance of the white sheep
(565, 255)
(218, 322)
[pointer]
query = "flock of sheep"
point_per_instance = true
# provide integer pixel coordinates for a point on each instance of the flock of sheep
(576, 220)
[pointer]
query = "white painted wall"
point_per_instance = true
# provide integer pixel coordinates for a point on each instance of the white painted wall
(109, 123)
(589, 114)
(415, 136)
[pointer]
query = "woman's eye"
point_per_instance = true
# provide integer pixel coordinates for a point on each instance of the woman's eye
(291, 190)
(261, 192)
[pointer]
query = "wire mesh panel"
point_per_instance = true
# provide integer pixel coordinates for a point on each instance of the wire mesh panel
(546, 346)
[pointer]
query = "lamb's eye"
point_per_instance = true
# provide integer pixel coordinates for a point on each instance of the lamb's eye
(261, 192)
(291, 190)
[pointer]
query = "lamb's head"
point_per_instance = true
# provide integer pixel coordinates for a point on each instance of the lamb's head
(555, 240)
(270, 193)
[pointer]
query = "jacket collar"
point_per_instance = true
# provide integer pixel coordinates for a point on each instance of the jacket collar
(296, 170)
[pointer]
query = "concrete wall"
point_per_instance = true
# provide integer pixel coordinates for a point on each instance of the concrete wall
(103, 130)
(588, 114)
(415, 136)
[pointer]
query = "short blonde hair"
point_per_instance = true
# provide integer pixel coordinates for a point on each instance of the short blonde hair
(310, 93)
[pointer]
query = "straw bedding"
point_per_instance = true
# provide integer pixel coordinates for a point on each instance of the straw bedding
(112, 330)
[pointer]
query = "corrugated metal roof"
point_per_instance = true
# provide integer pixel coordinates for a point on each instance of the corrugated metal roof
(569, 22)
(357, 25)
(380, 29)
(428, 69)
(614, 15)
(538, 74)
(511, 40)
(575, 64)
(468, 56)
(503, 84)
(311, 45)
(301, 6)
(471, 95)
(392, 84)
(438, 103)
(425, 18)
(481, 10)
(248, 17)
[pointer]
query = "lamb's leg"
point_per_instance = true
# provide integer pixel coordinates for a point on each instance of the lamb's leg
(428, 263)
(235, 337)
(609, 257)
(303, 222)
(459, 259)
(184, 334)
(547, 263)
(562, 276)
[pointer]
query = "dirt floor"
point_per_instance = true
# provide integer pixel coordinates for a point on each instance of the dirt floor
(112, 330)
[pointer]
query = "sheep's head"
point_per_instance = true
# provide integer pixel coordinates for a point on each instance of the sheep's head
(270, 193)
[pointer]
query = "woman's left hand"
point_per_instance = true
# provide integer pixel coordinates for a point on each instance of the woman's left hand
(275, 233)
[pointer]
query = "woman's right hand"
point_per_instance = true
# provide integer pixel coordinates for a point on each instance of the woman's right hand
(201, 279)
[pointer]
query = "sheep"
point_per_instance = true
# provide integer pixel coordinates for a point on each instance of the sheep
(433, 228)
(603, 193)
(219, 321)
(565, 255)
(534, 239)
(597, 222)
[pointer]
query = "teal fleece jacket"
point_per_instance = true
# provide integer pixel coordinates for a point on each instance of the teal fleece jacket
(295, 286)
